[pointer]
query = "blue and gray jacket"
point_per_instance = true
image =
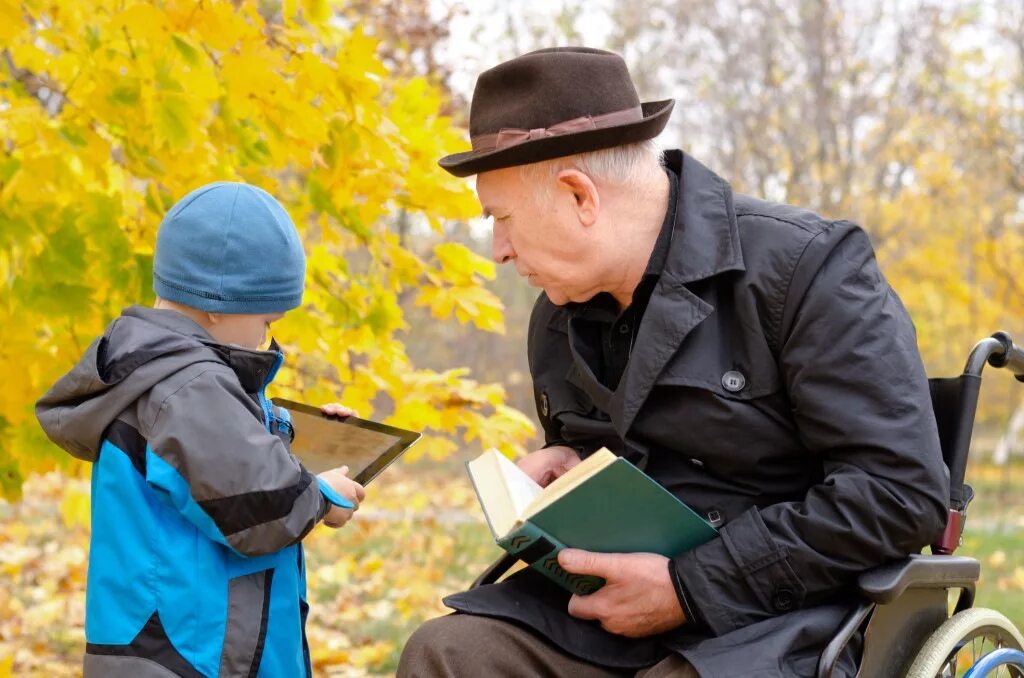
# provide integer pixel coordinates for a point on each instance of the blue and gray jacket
(198, 507)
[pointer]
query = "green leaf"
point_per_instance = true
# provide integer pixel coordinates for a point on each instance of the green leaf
(190, 53)
(8, 166)
(60, 299)
(92, 38)
(125, 93)
(72, 136)
(173, 120)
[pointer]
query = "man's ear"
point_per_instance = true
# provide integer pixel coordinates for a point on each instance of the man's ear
(585, 199)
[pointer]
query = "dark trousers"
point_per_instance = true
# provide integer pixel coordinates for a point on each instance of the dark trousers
(468, 646)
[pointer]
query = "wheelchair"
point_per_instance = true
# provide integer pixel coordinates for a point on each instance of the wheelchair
(904, 608)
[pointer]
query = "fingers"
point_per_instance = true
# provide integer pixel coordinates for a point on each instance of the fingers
(338, 479)
(338, 410)
(545, 465)
(338, 517)
(577, 561)
(584, 607)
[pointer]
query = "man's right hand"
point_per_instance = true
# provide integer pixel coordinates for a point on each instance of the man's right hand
(547, 464)
(338, 479)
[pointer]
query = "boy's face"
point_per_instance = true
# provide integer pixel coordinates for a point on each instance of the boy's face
(246, 330)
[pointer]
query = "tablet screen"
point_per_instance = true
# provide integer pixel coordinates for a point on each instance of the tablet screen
(324, 442)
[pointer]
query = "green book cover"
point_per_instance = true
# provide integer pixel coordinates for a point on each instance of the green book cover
(604, 504)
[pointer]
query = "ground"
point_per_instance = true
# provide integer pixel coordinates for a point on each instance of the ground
(419, 537)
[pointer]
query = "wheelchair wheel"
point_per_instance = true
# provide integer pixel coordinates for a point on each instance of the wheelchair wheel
(964, 640)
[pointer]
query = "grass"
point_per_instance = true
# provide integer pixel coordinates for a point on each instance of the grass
(995, 535)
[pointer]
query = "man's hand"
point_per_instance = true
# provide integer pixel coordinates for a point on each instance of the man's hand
(338, 479)
(545, 465)
(638, 598)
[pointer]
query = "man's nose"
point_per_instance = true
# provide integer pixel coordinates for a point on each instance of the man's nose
(501, 248)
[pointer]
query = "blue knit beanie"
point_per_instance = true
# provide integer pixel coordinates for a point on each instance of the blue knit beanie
(229, 248)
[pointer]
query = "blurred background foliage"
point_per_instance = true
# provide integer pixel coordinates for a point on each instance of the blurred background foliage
(906, 116)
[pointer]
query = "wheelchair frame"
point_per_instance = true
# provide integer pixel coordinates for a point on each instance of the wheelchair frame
(905, 603)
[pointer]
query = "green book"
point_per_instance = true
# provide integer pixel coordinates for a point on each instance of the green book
(603, 504)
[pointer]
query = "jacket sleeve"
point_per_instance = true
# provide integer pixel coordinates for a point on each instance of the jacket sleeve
(213, 461)
(849, 360)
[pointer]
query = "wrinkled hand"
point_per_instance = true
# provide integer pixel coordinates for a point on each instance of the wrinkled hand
(545, 465)
(338, 479)
(638, 598)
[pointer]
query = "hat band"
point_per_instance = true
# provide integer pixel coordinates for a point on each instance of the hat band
(512, 136)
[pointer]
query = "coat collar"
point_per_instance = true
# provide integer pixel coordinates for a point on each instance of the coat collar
(705, 243)
(706, 240)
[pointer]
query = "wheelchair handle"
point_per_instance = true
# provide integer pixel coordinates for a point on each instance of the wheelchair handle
(997, 351)
(1012, 356)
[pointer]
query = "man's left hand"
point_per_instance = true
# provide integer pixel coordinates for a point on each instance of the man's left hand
(638, 598)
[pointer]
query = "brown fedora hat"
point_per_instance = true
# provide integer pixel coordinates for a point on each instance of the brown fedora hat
(552, 103)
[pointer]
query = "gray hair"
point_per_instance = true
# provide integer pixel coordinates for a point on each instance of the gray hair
(623, 165)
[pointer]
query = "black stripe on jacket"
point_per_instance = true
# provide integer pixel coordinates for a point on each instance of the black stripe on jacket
(153, 644)
(128, 439)
(241, 511)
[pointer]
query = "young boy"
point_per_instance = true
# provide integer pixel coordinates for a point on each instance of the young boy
(198, 507)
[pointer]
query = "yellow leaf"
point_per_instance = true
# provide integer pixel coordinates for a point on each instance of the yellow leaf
(316, 11)
(143, 23)
(12, 23)
(74, 508)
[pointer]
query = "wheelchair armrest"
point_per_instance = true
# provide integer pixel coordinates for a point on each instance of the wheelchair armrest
(887, 583)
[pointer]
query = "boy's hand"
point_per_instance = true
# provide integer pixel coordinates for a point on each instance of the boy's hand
(338, 479)
(338, 410)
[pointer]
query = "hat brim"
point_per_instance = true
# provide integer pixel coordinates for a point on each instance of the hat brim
(655, 117)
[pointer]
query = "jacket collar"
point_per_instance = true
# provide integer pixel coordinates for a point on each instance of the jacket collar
(252, 367)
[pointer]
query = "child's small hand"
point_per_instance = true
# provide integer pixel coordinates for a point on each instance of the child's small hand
(338, 479)
(338, 410)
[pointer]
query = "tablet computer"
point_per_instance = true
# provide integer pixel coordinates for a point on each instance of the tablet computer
(323, 442)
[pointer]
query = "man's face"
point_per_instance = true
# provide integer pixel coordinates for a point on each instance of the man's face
(540, 235)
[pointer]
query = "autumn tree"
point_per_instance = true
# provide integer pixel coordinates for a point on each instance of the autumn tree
(111, 111)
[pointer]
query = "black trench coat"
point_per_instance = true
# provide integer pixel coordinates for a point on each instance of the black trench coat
(776, 385)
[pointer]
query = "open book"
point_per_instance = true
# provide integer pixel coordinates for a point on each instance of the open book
(603, 504)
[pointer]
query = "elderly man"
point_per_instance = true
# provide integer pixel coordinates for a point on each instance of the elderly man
(749, 356)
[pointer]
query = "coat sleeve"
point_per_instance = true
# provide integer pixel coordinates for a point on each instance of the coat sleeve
(213, 461)
(860, 401)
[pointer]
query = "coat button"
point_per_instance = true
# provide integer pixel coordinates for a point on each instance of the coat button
(783, 600)
(544, 406)
(733, 381)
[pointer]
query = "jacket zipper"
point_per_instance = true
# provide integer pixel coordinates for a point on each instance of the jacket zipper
(264, 402)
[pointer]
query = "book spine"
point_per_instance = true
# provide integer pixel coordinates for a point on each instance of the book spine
(540, 550)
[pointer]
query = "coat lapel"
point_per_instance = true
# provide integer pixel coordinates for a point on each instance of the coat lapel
(671, 315)
(705, 242)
